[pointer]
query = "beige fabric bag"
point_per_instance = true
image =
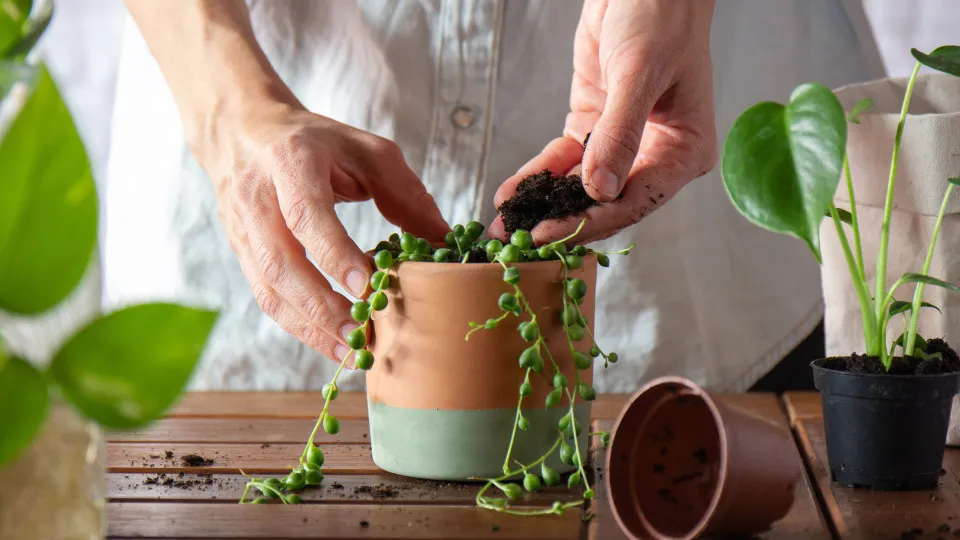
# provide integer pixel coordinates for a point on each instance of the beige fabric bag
(929, 154)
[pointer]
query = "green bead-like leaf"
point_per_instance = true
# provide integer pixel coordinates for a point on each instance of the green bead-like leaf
(860, 107)
(48, 204)
(125, 369)
(781, 164)
(23, 395)
(945, 58)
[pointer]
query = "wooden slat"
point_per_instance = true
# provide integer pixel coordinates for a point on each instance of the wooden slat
(243, 430)
(381, 488)
(803, 406)
(211, 520)
(861, 513)
(804, 521)
(231, 458)
(603, 526)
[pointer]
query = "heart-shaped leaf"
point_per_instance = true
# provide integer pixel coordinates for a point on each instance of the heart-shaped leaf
(24, 400)
(125, 369)
(859, 108)
(48, 204)
(781, 164)
(945, 58)
(899, 306)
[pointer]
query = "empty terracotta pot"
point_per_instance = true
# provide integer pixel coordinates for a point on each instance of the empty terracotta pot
(682, 466)
(443, 408)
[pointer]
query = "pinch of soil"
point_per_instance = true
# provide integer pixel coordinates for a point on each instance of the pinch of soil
(168, 454)
(193, 460)
(543, 196)
(858, 363)
(658, 468)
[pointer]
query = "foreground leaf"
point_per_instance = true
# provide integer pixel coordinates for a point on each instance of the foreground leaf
(48, 204)
(858, 109)
(945, 59)
(899, 306)
(126, 369)
(24, 402)
(781, 164)
(13, 14)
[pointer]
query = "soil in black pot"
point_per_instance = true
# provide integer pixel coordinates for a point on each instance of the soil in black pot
(544, 196)
(858, 363)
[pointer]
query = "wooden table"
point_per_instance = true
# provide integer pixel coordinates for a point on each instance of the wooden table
(152, 494)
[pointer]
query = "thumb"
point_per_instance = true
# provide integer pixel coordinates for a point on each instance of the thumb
(615, 140)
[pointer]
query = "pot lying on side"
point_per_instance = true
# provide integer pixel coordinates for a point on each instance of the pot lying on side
(443, 408)
(885, 432)
(682, 466)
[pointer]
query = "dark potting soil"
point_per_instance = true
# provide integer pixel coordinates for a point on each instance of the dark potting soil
(193, 460)
(858, 363)
(542, 196)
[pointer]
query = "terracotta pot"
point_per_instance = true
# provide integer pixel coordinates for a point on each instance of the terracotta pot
(442, 407)
(682, 465)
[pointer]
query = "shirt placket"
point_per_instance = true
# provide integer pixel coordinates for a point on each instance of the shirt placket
(456, 155)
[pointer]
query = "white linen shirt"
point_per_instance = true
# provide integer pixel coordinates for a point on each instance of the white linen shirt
(470, 90)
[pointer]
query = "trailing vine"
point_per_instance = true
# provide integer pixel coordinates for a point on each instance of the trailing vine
(464, 244)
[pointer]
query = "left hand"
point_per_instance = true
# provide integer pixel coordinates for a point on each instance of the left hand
(643, 90)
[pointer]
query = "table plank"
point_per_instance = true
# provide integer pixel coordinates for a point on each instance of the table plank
(802, 522)
(242, 430)
(803, 406)
(383, 488)
(211, 520)
(231, 458)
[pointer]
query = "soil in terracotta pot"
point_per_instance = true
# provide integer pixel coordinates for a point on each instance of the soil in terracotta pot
(544, 196)
(857, 363)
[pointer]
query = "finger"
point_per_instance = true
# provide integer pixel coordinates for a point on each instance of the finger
(558, 157)
(400, 195)
(282, 265)
(306, 208)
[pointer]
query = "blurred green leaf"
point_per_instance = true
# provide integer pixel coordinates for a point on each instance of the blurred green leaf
(24, 402)
(48, 204)
(781, 164)
(13, 14)
(32, 32)
(945, 59)
(859, 108)
(125, 369)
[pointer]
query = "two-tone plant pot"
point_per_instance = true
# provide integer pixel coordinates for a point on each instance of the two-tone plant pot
(885, 432)
(442, 407)
(682, 465)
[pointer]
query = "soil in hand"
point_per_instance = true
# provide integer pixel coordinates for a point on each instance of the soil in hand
(543, 196)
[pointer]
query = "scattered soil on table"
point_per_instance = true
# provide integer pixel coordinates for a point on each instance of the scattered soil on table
(364, 524)
(193, 460)
(168, 454)
(379, 491)
(179, 481)
(858, 363)
(543, 196)
(265, 445)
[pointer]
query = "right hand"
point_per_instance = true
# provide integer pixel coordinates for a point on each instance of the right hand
(278, 175)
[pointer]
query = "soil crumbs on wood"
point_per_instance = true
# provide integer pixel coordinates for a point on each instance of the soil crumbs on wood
(193, 460)
(858, 363)
(179, 481)
(543, 196)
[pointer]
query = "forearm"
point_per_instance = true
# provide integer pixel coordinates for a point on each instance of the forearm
(211, 61)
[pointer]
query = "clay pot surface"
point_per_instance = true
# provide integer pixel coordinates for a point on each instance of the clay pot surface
(458, 398)
(682, 466)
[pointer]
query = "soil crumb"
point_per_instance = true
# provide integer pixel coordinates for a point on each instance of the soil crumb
(168, 454)
(911, 534)
(949, 362)
(700, 455)
(543, 196)
(364, 524)
(193, 460)
(380, 491)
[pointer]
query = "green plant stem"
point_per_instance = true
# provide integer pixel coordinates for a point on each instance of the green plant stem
(887, 208)
(910, 331)
(624, 251)
(854, 220)
(516, 423)
(859, 284)
(572, 396)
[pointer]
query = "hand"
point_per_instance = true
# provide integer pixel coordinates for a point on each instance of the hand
(278, 176)
(642, 88)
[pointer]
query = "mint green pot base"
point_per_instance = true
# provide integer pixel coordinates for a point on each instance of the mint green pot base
(461, 445)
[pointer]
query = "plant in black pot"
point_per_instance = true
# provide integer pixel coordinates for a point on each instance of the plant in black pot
(886, 411)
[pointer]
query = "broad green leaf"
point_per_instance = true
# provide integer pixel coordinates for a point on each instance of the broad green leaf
(24, 402)
(859, 108)
(928, 280)
(844, 216)
(899, 306)
(781, 164)
(13, 14)
(919, 346)
(955, 180)
(48, 204)
(32, 32)
(125, 369)
(945, 58)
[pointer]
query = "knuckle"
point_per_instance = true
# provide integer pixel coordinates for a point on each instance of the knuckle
(385, 148)
(272, 265)
(299, 216)
(325, 255)
(267, 299)
(245, 189)
(623, 140)
(317, 309)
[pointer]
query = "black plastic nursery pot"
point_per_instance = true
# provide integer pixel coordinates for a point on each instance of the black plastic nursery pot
(885, 432)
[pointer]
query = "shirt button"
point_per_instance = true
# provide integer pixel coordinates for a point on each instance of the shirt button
(462, 116)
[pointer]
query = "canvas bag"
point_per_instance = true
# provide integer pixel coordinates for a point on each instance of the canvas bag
(929, 154)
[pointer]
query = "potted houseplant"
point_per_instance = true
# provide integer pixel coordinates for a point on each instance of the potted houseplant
(886, 408)
(64, 371)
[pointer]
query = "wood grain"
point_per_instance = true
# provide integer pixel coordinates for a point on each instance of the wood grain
(243, 430)
(803, 406)
(329, 521)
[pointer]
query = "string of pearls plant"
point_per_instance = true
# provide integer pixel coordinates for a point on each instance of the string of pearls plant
(463, 244)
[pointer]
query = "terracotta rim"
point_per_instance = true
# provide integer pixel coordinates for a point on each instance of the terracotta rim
(688, 388)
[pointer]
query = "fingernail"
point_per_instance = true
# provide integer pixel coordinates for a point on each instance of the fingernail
(357, 283)
(347, 328)
(605, 182)
(341, 351)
